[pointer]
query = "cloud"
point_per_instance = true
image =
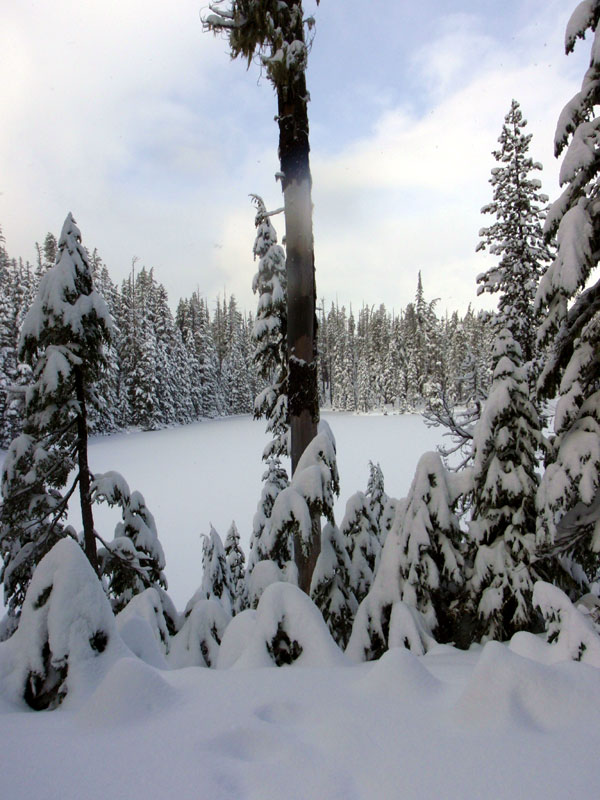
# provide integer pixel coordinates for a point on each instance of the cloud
(124, 112)
(408, 196)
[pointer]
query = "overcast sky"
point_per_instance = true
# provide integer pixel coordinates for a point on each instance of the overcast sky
(127, 114)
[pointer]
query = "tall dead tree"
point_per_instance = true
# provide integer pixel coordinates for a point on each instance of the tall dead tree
(273, 31)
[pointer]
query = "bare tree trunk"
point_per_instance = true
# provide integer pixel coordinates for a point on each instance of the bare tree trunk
(303, 396)
(89, 538)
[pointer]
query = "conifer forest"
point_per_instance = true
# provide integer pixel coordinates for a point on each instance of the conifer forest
(379, 652)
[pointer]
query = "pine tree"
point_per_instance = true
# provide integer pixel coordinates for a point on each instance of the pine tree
(331, 586)
(236, 563)
(517, 235)
(62, 339)
(134, 560)
(361, 537)
(270, 332)
(275, 480)
(216, 577)
(429, 536)
(570, 330)
(506, 441)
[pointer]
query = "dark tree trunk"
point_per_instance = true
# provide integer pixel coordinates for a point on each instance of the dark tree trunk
(89, 538)
(303, 397)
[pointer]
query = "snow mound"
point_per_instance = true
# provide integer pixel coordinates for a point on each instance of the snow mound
(131, 692)
(264, 574)
(404, 675)
(238, 636)
(67, 636)
(146, 606)
(197, 643)
(506, 689)
(138, 635)
(570, 631)
(287, 629)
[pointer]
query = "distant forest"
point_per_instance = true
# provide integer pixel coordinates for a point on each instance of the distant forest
(165, 369)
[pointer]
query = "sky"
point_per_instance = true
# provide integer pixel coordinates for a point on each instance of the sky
(126, 114)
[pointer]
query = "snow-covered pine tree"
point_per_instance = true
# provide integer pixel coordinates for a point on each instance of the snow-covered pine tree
(516, 236)
(62, 338)
(134, 560)
(379, 502)
(570, 331)
(216, 576)
(66, 623)
(506, 442)
(361, 537)
(16, 295)
(236, 563)
(297, 510)
(275, 480)
(270, 332)
(331, 586)
(428, 534)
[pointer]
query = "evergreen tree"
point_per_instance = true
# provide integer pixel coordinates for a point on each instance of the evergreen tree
(216, 577)
(331, 587)
(134, 560)
(428, 536)
(62, 339)
(275, 480)
(361, 538)
(516, 236)
(270, 332)
(570, 329)
(505, 482)
(236, 563)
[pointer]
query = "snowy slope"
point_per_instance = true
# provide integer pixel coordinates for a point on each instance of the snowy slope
(497, 722)
(487, 724)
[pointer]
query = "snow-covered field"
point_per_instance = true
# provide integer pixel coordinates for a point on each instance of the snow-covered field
(210, 472)
(496, 722)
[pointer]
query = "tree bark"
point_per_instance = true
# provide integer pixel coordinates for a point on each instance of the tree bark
(303, 397)
(89, 538)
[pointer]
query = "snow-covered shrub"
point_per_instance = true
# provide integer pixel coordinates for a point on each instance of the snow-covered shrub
(330, 588)
(275, 480)
(361, 537)
(134, 560)
(156, 609)
(415, 590)
(430, 565)
(236, 563)
(286, 628)
(567, 628)
(379, 502)
(66, 622)
(216, 576)
(297, 510)
(197, 643)
(264, 574)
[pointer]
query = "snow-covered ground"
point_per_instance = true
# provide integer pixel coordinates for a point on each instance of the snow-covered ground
(496, 722)
(210, 472)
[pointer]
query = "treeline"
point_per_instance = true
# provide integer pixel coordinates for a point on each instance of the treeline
(381, 359)
(165, 369)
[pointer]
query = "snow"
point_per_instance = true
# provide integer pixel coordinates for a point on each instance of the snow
(505, 721)
(487, 723)
(211, 472)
